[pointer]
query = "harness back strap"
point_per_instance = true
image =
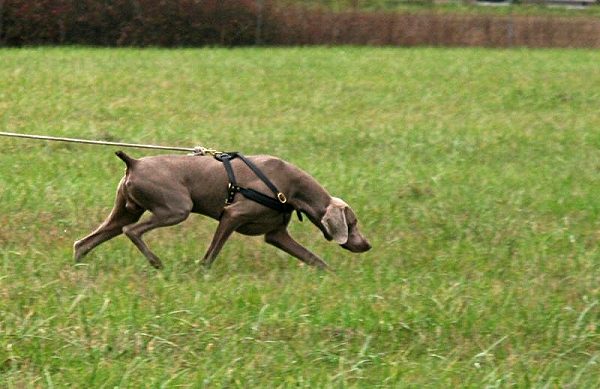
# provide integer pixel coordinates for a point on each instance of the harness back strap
(279, 203)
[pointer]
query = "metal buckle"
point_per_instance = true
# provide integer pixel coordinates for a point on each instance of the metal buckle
(281, 197)
(231, 191)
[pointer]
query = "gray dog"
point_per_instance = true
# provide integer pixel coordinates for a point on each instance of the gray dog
(173, 186)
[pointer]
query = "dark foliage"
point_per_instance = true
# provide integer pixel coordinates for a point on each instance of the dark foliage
(128, 22)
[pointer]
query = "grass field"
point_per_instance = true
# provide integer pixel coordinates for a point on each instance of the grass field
(474, 174)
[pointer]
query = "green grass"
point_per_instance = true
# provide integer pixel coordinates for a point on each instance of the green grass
(475, 174)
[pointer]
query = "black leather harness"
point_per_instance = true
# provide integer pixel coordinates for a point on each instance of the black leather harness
(278, 203)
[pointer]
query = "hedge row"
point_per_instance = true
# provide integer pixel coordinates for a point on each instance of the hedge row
(247, 22)
(306, 27)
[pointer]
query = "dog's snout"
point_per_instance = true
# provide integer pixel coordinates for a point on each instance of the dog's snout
(357, 247)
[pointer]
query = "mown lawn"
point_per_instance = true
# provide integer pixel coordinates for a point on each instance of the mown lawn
(474, 174)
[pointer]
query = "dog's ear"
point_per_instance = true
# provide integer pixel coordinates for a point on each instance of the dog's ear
(334, 220)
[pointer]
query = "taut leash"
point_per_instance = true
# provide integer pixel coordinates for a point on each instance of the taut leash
(196, 150)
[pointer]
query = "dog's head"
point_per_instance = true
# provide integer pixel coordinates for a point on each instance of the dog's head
(340, 225)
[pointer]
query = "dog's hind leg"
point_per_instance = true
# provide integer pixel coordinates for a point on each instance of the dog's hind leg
(161, 217)
(122, 214)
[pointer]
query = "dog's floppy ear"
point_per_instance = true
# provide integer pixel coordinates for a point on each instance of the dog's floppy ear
(334, 220)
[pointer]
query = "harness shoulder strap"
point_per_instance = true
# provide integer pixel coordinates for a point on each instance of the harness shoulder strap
(261, 175)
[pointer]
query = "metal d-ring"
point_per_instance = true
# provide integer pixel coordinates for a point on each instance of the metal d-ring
(281, 197)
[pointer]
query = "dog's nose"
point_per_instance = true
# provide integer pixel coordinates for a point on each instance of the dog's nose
(365, 247)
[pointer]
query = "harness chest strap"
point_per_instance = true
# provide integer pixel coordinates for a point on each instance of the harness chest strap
(279, 203)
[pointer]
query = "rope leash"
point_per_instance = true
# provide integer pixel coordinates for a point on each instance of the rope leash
(198, 150)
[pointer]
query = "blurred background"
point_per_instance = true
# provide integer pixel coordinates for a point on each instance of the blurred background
(191, 23)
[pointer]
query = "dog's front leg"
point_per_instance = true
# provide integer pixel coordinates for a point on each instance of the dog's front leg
(282, 240)
(228, 223)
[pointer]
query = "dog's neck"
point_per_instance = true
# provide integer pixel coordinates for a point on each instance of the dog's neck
(311, 199)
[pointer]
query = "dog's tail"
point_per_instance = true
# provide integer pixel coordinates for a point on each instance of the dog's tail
(130, 162)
